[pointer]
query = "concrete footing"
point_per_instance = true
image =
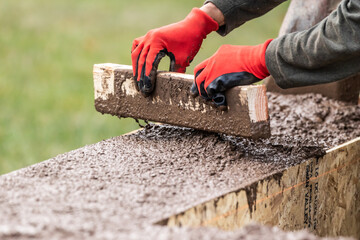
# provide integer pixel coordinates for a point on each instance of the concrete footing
(321, 195)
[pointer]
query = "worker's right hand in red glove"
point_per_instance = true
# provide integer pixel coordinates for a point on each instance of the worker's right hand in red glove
(230, 66)
(180, 41)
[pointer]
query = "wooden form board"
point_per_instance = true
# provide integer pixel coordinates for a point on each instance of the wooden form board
(171, 102)
(321, 195)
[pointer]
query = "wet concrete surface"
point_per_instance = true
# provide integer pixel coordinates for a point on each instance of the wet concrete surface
(117, 188)
(313, 117)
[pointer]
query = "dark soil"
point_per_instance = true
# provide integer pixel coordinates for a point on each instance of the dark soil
(117, 188)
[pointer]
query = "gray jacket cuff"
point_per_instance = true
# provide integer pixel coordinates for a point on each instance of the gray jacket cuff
(231, 22)
(273, 66)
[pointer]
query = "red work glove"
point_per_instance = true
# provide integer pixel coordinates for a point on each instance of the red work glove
(230, 66)
(180, 41)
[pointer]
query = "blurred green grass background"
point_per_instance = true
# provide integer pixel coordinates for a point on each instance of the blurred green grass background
(47, 50)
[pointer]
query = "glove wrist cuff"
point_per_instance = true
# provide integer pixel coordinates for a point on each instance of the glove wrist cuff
(202, 22)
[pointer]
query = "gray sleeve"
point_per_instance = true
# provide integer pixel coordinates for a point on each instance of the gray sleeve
(327, 52)
(237, 12)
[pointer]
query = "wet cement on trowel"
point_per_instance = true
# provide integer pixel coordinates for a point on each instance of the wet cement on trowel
(118, 188)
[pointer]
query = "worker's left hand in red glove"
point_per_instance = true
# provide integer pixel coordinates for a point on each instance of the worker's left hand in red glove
(180, 41)
(230, 66)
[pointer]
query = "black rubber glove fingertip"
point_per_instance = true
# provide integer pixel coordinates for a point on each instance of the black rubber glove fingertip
(194, 91)
(220, 101)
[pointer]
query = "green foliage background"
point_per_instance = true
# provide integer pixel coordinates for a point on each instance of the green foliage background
(47, 49)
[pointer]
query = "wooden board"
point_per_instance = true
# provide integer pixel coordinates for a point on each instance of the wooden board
(171, 102)
(321, 195)
(302, 15)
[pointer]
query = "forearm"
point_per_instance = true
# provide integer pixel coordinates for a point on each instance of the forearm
(237, 12)
(325, 53)
(215, 13)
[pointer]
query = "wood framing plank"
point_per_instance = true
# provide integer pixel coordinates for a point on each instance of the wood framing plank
(321, 195)
(171, 102)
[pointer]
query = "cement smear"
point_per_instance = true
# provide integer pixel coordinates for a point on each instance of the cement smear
(117, 188)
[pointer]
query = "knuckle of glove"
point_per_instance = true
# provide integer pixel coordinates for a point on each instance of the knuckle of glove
(154, 35)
